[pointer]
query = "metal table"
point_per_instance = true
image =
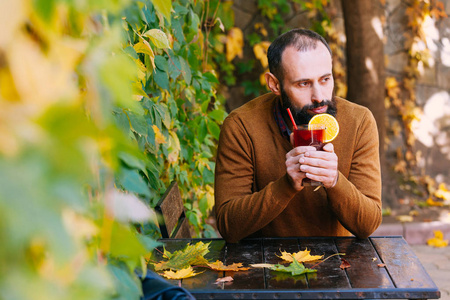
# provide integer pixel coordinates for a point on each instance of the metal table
(402, 277)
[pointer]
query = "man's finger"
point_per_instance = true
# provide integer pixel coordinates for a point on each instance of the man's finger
(328, 147)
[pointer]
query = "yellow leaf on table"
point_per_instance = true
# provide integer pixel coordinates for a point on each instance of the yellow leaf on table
(300, 256)
(219, 266)
(223, 279)
(438, 240)
(183, 273)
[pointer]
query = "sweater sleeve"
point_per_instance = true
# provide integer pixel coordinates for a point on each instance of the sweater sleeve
(240, 209)
(356, 200)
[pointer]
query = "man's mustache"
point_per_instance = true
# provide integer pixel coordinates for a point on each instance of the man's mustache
(317, 105)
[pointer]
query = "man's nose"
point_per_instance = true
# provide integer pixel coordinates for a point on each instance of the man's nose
(316, 94)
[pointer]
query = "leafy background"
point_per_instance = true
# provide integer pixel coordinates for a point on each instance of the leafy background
(103, 104)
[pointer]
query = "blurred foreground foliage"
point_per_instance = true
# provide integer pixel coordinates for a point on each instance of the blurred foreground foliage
(103, 103)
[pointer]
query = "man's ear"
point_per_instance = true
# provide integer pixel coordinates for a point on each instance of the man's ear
(273, 83)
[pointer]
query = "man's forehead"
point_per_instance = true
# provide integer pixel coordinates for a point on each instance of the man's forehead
(312, 63)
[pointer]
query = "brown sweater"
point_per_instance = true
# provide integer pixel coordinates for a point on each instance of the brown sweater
(253, 197)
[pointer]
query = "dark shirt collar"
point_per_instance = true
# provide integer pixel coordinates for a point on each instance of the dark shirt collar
(284, 129)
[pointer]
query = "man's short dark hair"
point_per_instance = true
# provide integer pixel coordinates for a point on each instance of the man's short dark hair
(301, 39)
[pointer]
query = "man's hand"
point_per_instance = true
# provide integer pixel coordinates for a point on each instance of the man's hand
(293, 157)
(321, 165)
(306, 161)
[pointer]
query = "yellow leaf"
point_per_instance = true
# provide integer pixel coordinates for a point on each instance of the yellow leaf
(144, 47)
(159, 137)
(405, 218)
(183, 273)
(158, 37)
(40, 79)
(79, 226)
(442, 192)
(219, 266)
(235, 43)
(8, 89)
(431, 202)
(174, 147)
(13, 14)
(438, 240)
(260, 51)
(300, 256)
(260, 26)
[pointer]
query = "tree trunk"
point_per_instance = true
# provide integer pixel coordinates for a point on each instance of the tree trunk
(365, 68)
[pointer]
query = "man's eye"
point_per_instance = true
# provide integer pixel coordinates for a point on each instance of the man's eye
(325, 79)
(303, 84)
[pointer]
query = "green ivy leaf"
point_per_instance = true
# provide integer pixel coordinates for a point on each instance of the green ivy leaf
(124, 284)
(164, 7)
(202, 130)
(161, 78)
(158, 38)
(133, 161)
(133, 182)
(185, 71)
(214, 129)
(138, 123)
(174, 67)
(217, 114)
(161, 63)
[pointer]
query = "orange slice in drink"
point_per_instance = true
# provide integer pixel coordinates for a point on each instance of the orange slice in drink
(330, 122)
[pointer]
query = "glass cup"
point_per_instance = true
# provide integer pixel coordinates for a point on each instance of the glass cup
(315, 137)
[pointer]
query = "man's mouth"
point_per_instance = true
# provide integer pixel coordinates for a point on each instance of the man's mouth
(319, 110)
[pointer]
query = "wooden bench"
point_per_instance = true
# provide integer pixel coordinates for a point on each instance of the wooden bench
(172, 218)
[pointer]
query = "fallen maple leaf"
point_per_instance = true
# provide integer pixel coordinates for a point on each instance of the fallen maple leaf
(438, 240)
(301, 256)
(219, 266)
(295, 268)
(223, 279)
(184, 273)
(181, 259)
(344, 264)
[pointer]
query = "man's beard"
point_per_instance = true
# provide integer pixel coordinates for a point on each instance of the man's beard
(301, 116)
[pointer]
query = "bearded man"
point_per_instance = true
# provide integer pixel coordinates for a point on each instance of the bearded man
(259, 174)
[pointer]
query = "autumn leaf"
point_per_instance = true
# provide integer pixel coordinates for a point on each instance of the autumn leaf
(438, 240)
(431, 202)
(183, 273)
(381, 265)
(442, 192)
(301, 256)
(219, 266)
(235, 43)
(190, 255)
(344, 265)
(223, 279)
(159, 137)
(260, 51)
(295, 268)
(405, 218)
